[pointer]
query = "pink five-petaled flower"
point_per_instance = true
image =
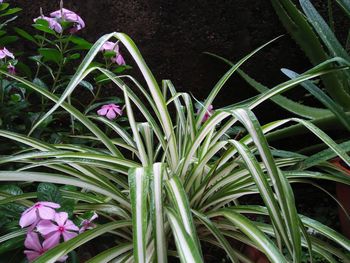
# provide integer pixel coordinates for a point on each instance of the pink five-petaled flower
(11, 69)
(40, 210)
(5, 53)
(208, 113)
(87, 223)
(53, 24)
(110, 111)
(53, 231)
(35, 248)
(69, 16)
(111, 46)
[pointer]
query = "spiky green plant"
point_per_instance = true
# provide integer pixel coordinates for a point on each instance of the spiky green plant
(316, 36)
(183, 182)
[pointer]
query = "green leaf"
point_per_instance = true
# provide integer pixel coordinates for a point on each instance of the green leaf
(301, 31)
(4, 6)
(49, 192)
(345, 5)
(156, 186)
(255, 234)
(50, 54)
(74, 56)
(109, 54)
(11, 11)
(11, 189)
(8, 40)
(25, 34)
(44, 28)
(290, 105)
(80, 42)
(11, 244)
(186, 246)
(138, 183)
(218, 235)
(110, 254)
(323, 98)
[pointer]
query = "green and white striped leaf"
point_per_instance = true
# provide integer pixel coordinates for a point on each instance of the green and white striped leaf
(139, 188)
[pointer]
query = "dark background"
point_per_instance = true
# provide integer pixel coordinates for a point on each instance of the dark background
(172, 36)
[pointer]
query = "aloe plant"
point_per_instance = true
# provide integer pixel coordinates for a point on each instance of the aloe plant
(174, 182)
(319, 42)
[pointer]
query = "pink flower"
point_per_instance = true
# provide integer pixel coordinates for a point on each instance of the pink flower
(53, 231)
(110, 111)
(118, 59)
(40, 210)
(53, 24)
(35, 248)
(5, 53)
(87, 224)
(69, 16)
(111, 46)
(208, 113)
(11, 69)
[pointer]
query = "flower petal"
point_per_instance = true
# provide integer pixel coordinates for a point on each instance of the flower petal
(31, 255)
(102, 111)
(118, 111)
(108, 46)
(120, 60)
(46, 212)
(32, 241)
(28, 217)
(94, 216)
(62, 259)
(52, 240)
(71, 226)
(61, 218)
(111, 114)
(46, 227)
(68, 235)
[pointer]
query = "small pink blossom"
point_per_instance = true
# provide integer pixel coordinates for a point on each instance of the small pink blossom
(53, 24)
(52, 232)
(11, 69)
(208, 113)
(5, 53)
(87, 224)
(111, 46)
(118, 59)
(35, 249)
(111, 111)
(69, 16)
(40, 210)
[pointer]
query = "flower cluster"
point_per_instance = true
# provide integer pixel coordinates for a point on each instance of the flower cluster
(46, 228)
(5, 53)
(111, 46)
(111, 111)
(57, 18)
